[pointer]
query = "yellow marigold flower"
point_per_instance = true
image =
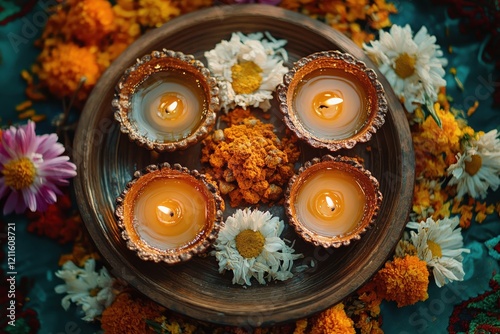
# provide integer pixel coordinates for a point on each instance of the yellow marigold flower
(154, 13)
(127, 28)
(333, 321)
(89, 21)
(482, 211)
(335, 7)
(442, 210)
(379, 13)
(63, 67)
(128, 315)
(445, 139)
(358, 35)
(404, 280)
(434, 145)
(421, 197)
(357, 10)
(468, 131)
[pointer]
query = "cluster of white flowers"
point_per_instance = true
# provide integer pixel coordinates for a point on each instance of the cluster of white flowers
(273, 261)
(413, 65)
(440, 244)
(478, 168)
(264, 52)
(85, 287)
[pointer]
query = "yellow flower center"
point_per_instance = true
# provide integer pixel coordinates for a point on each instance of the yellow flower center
(405, 65)
(19, 174)
(246, 77)
(250, 243)
(473, 166)
(94, 292)
(435, 248)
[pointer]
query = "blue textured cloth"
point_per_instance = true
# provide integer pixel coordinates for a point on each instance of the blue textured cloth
(37, 257)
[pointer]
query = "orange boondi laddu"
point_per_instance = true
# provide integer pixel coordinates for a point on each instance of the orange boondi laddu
(248, 161)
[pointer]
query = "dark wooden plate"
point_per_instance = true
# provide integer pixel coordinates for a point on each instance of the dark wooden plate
(106, 161)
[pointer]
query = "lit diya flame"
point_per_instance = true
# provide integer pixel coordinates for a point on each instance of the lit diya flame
(167, 101)
(332, 100)
(169, 213)
(332, 200)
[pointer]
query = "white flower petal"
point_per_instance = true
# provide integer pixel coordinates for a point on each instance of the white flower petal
(275, 261)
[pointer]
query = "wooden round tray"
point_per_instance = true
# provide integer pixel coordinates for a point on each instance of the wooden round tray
(106, 161)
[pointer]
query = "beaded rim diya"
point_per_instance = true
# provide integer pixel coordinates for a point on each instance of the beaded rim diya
(367, 183)
(166, 62)
(126, 205)
(376, 103)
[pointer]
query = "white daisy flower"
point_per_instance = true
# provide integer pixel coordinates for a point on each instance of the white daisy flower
(439, 243)
(248, 69)
(478, 168)
(412, 65)
(250, 246)
(86, 288)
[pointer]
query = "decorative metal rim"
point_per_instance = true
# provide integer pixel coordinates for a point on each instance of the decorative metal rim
(378, 101)
(128, 84)
(171, 256)
(371, 208)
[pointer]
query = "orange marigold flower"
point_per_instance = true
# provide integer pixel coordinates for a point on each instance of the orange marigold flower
(128, 315)
(89, 21)
(369, 295)
(404, 280)
(357, 10)
(300, 326)
(465, 211)
(63, 67)
(192, 5)
(368, 325)
(334, 320)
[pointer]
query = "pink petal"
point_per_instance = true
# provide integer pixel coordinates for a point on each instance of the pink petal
(29, 199)
(10, 146)
(49, 147)
(48, 194)
(21, 141)
(30, 134)
(55, 161)
(13, 203)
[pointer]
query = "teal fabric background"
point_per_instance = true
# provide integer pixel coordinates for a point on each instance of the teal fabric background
(37, 257)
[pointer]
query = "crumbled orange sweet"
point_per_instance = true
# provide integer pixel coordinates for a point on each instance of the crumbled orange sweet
(248, 161)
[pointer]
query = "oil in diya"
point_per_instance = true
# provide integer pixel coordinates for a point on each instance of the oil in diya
(332, 200)
(166, 101)
(169, 213)
(332, 100)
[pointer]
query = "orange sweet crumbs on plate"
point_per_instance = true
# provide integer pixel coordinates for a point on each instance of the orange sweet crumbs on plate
(248, 161)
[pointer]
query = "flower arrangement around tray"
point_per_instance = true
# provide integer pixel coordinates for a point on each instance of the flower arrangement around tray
(75, 53)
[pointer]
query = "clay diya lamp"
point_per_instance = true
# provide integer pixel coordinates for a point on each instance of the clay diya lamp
(332, 100)
(166, 101)
(332, 201)
(169, 213)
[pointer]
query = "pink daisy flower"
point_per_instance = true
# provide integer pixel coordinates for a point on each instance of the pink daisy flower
(32, 169)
